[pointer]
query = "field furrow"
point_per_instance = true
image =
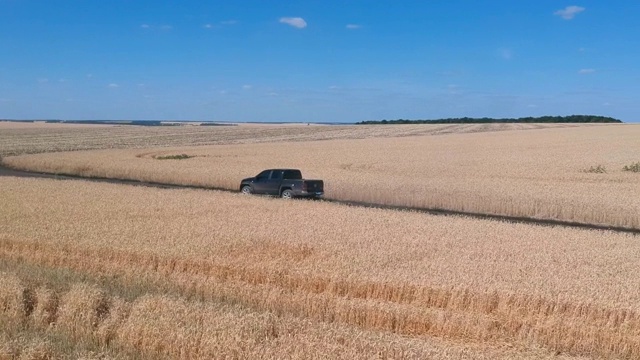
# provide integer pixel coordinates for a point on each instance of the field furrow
(574, 328)
(567, 174)
(75, 322)
(379, 271)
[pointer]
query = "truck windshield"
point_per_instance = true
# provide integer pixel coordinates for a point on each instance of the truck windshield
(292, 175)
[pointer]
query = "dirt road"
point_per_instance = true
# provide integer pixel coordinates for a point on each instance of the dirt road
(4, 171)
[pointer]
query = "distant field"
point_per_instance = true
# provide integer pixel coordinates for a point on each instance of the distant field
(572, 173)
(192, 273)
(28, 138)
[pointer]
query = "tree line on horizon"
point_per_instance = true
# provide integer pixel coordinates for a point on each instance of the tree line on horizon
(486, 120)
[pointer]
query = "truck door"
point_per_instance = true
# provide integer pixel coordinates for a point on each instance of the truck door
(261, 182)
(273, 185)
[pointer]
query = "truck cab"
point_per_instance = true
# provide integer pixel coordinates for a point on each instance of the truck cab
(287, 183)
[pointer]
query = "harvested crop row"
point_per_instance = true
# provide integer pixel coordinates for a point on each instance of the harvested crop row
(575, 328)
(536, 173)
(153, 326)
(381, 270)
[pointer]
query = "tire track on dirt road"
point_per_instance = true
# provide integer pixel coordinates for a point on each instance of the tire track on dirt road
(5, 171)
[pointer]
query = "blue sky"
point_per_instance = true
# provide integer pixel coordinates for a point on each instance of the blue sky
(329, 61)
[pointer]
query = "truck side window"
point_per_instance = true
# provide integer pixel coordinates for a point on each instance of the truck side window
(292, 175)
(263, 176)
(276, 175)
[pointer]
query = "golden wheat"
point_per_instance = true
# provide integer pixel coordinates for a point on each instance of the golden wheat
(278, 279)
(21, 138)
(160, 326)
(481, 282)
(534, 173)
(25, 349)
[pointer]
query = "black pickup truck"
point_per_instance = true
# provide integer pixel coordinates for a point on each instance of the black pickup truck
(286, 183)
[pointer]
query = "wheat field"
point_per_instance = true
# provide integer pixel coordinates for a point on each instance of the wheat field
(28, 138)
(86, 322)
(539, 173)
(105, 271)
(192, 274)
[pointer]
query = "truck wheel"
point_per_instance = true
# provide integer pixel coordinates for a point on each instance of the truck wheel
(286, 194)
(246, 189)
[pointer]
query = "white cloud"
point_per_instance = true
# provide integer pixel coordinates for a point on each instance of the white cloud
(220, 24)
(569, 12)
(113, 85)
(606, 104)
(334, 87)
(43, 80)
(450, 73)
(506, 54)
(353, 26)
(454, 89)
(586, 71)
(156, 27)
(247, 87)
(296, 22)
